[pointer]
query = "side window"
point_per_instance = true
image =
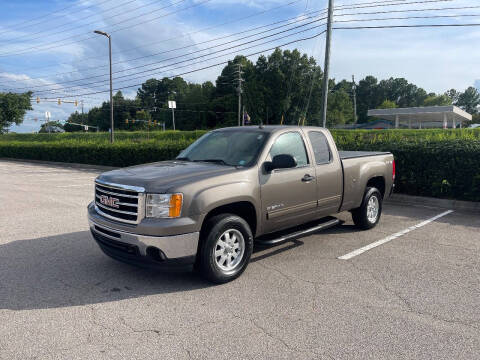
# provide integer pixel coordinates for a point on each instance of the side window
(322, 152)
(292, 144)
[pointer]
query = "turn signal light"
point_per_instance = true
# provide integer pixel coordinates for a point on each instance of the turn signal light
(176, 201)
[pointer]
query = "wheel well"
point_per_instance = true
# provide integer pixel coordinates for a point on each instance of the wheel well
(244, 209)
(379, 183)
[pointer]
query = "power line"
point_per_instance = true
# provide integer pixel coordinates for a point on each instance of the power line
(132, 76)
(405, 26)
(48, 14)
(185, 35)
(188, 46)
(54, 31)
(303, 19)
(198, 57)
(41, 48)
(345, 7)
(186, 54)
(203, 68)
(303, 39)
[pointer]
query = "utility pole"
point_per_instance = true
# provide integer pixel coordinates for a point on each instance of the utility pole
(327, 63)
(354, 89)
(243, 115)
(239, 91)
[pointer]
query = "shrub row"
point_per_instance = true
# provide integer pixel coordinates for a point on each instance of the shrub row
(119, 154)
(443, 169)
(104, 137)
(429, 163)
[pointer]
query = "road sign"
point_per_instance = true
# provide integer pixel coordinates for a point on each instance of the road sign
(172, 104)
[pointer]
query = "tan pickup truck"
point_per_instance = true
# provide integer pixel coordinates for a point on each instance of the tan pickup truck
(231, 189)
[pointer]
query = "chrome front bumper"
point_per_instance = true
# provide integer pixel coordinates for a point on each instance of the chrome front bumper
(177, 246)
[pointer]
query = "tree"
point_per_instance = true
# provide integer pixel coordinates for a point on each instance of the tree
(76, 118)
(437, 100)
(469, 100)
(50, 126)
(387, 104)
(340, 108)
(13, 108)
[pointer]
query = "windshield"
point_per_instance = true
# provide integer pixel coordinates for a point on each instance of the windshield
(234, 148)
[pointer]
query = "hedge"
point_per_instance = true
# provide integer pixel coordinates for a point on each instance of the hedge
(438, 163)
(442, 169)
(119, 154)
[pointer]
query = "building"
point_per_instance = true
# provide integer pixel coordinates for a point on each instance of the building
(423, 117)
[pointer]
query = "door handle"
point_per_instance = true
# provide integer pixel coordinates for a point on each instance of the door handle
(308, 178)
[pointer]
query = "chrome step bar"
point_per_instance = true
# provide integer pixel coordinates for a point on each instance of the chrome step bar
(285, 236)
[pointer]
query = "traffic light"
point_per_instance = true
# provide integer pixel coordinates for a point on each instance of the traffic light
(59, 101)
(76, 103)
(38, 100)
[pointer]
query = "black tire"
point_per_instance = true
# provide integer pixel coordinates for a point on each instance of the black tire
(216, 228)
(360, 215)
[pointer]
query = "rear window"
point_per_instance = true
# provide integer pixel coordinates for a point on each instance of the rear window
(320, 146)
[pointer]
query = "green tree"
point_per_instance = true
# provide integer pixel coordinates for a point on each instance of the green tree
(340, 108)
(437, 100)
(469, 100)
(453, 95)
(76, 118)
(387, 104)
(45, 126)
(13, 108)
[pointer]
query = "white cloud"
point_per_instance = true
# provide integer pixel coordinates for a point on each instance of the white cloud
(435, 59)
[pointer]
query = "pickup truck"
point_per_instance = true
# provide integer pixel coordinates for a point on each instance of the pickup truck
(231, 188)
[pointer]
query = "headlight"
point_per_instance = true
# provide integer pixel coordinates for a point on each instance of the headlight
(163, 205)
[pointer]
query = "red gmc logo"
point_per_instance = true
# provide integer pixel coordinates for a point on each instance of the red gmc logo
(109, 201)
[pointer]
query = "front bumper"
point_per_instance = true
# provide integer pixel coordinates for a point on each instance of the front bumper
(159, 252)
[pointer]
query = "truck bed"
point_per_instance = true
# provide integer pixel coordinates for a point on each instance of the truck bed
(358, 154)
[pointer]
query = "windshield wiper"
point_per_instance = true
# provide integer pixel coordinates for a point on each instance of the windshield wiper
(183, 158)
(218, 161)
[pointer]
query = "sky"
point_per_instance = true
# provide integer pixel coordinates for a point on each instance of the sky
(48, 46)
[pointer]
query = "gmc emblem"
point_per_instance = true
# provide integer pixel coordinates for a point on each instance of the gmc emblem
(109, 201)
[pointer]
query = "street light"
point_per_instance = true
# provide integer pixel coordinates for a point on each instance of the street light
(111, 90)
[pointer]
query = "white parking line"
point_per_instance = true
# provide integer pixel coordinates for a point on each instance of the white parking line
(392, 237)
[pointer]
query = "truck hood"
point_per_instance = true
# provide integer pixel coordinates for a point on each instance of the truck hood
(165, 175)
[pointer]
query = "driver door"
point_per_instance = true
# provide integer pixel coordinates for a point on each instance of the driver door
(288, 195)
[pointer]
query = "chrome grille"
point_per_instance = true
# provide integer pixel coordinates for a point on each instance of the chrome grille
(119, 202)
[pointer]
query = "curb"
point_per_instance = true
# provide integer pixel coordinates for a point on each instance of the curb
(433, 202)
(60, 164)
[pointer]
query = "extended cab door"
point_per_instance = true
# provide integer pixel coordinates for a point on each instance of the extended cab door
(288, 195)
(328, 171)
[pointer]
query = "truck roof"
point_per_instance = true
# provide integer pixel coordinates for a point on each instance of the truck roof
(268, 128)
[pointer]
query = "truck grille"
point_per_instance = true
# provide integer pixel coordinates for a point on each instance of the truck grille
(120, 203)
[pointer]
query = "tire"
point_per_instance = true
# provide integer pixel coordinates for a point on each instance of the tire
(366, 217)
(226, 248)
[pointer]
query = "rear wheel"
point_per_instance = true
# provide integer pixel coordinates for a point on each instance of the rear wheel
(368, 214)
(227, 245)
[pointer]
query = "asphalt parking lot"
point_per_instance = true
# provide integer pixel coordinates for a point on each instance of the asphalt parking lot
(414, 297)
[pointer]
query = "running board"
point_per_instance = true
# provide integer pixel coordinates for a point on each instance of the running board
(284, 236)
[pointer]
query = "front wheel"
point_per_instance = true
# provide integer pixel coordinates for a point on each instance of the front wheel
(368, 214)
(227, 245)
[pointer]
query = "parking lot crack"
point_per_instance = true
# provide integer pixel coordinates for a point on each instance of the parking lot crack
(134, 330)
(409, 307)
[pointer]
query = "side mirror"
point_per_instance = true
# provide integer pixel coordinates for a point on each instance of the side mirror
(282, 161)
